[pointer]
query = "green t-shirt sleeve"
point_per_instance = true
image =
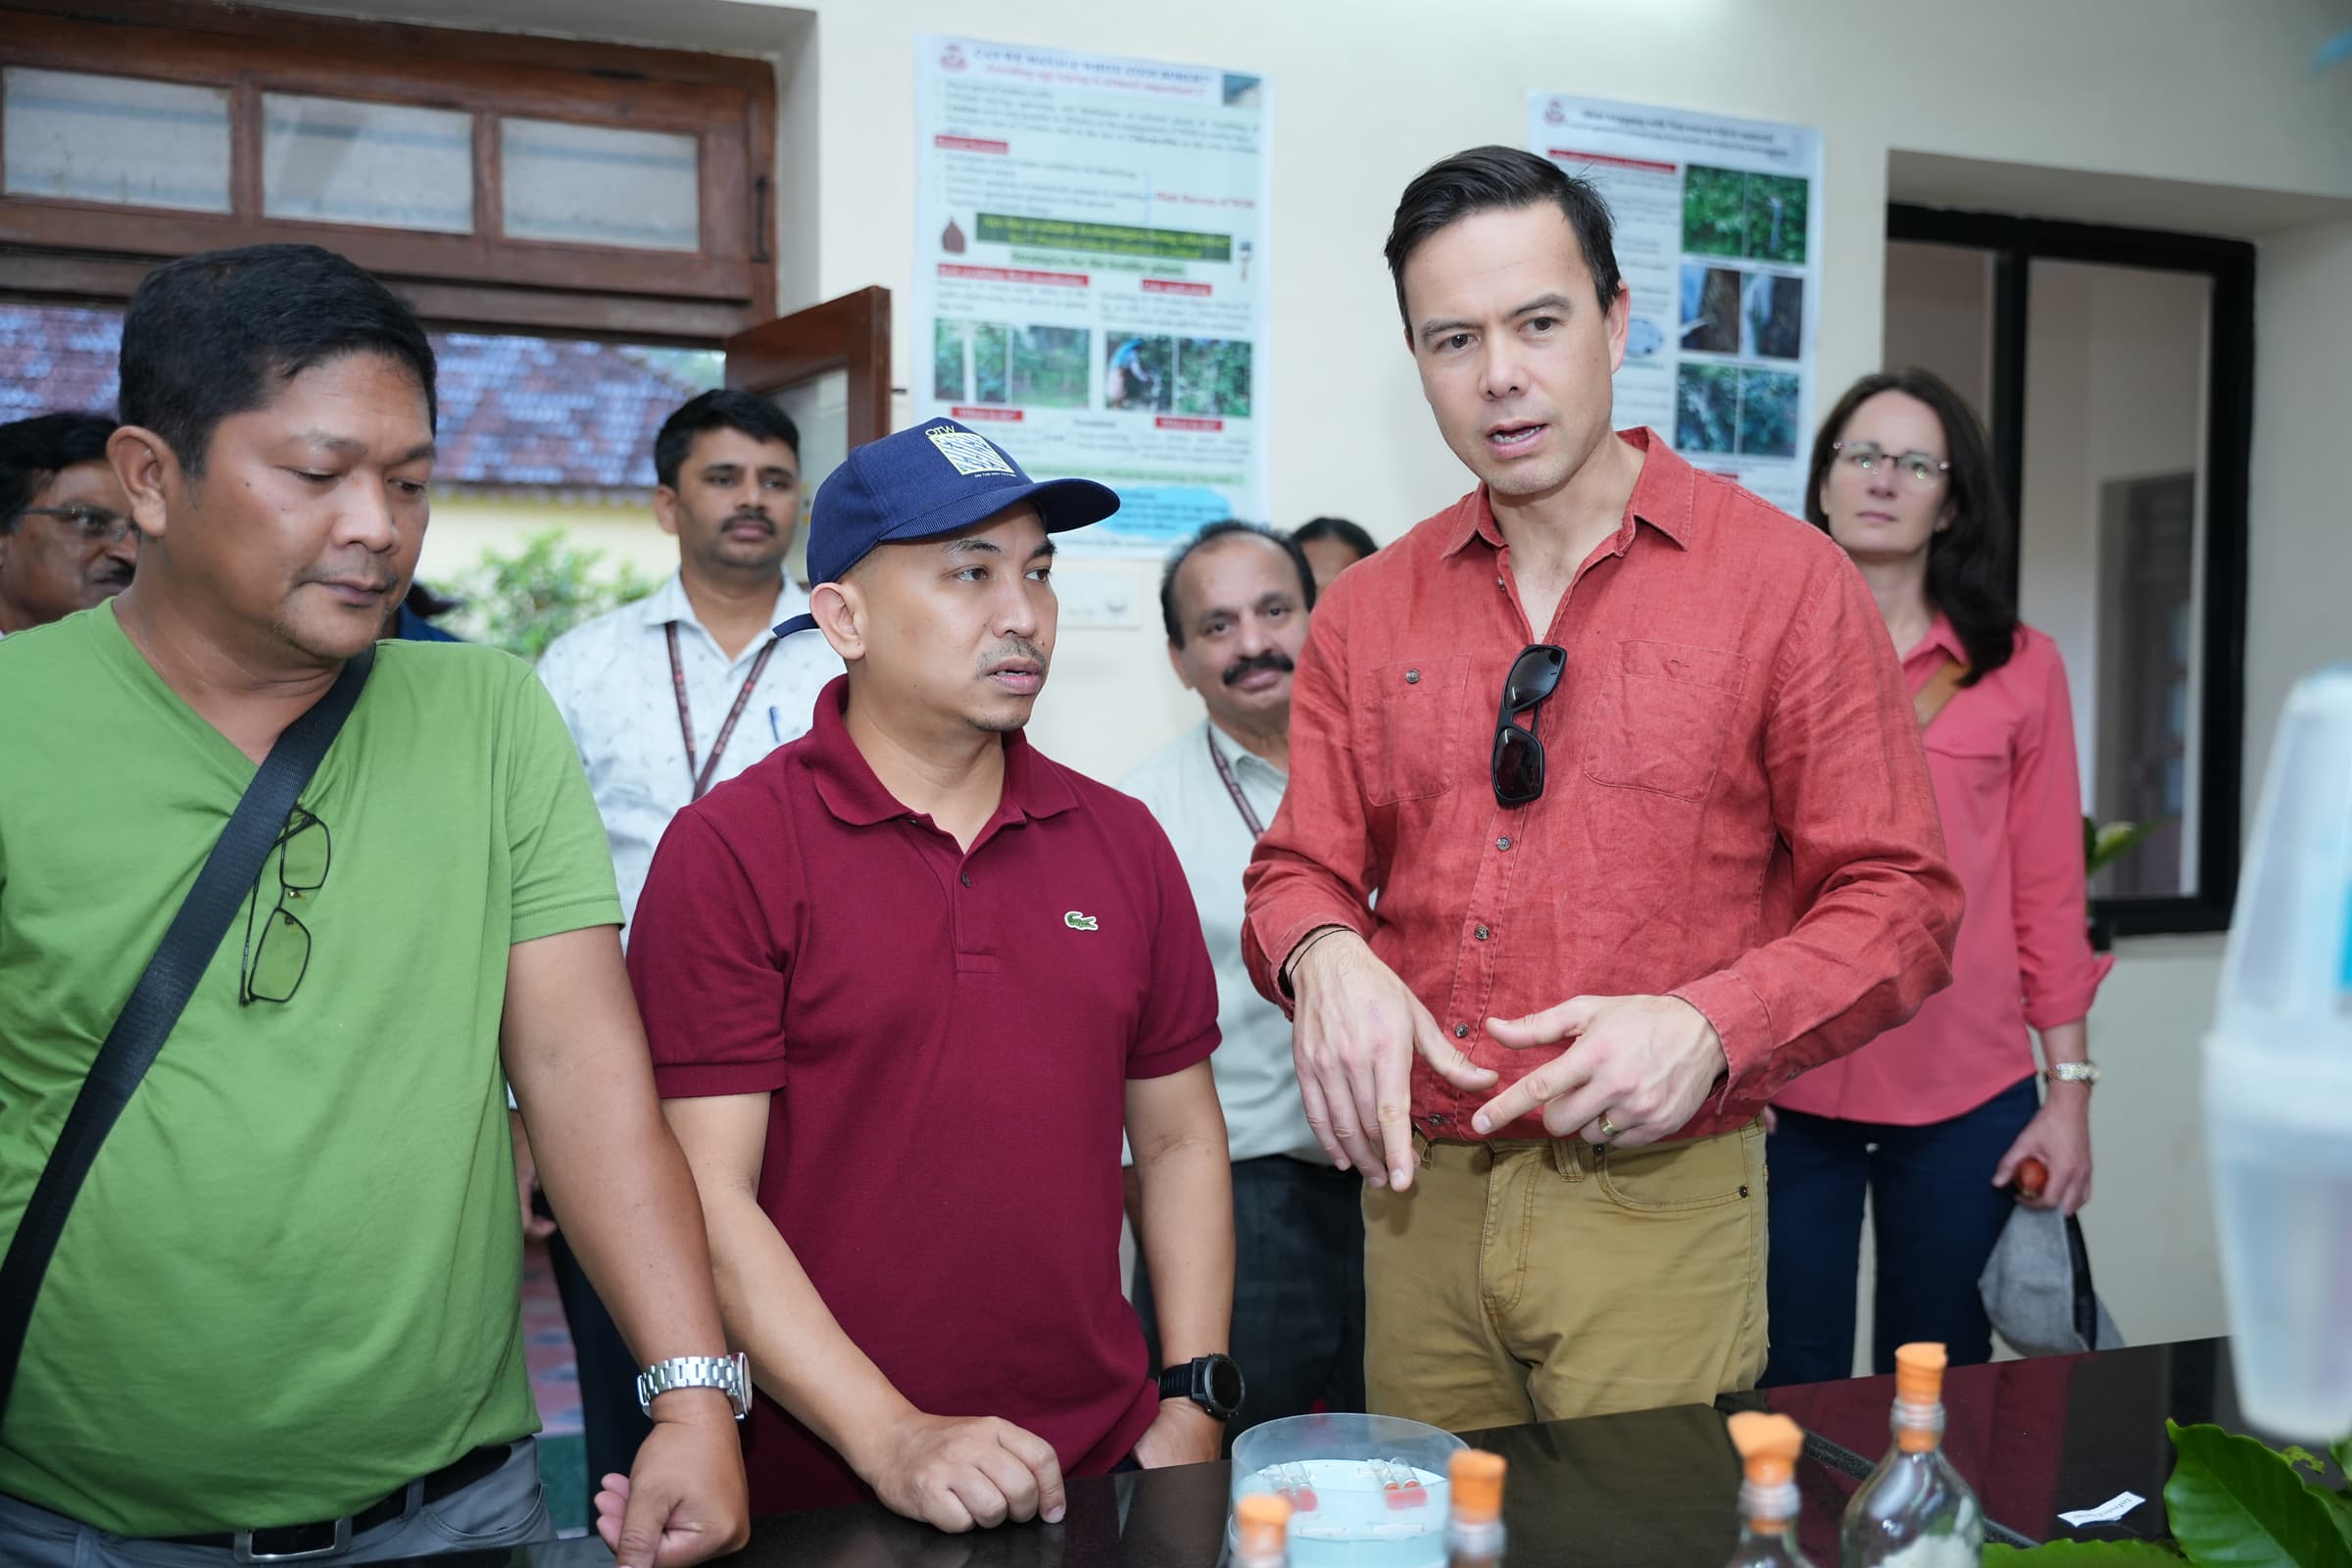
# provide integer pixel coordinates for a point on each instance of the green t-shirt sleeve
(561, 863)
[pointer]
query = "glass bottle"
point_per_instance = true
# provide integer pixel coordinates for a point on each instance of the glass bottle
(1768, 1448)
(1261, 1531)
(1915, 1510)
(1474, 1517)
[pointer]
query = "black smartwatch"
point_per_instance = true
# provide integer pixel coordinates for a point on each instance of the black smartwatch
(1211, 1382)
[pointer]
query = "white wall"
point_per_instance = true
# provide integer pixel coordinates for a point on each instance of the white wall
(1939, 314)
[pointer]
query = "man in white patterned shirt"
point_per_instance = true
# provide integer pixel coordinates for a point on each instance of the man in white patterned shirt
(688, 687)
(1235, 600)
(667, 698)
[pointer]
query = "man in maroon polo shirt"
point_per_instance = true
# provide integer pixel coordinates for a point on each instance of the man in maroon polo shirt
(907, 981)
(1607, 816)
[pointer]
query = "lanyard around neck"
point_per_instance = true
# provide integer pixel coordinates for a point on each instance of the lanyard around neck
(1233, 787)
(726, 731)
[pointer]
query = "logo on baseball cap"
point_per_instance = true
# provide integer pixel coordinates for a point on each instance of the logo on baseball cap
(936, 478)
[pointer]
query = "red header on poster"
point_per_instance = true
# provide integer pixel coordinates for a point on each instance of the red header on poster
(1170, 423)
(1010, 274)
(1164, 286)
(1642, 163)
(987, 416)
(971, 144)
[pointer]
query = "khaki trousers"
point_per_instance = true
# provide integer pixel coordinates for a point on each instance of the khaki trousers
(1543, 1281)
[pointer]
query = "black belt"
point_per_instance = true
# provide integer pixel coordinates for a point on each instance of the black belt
(293, 1543)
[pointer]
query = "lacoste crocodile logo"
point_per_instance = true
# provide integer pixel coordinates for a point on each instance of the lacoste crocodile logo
(1079, 922)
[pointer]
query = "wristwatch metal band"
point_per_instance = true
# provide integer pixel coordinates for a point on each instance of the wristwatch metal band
(731, 1375)
(2073, 1072)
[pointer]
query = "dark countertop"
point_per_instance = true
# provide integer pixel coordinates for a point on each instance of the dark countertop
(1655, 1487)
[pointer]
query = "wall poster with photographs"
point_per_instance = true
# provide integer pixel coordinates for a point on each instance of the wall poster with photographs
(1719, 240)
(1089, 274)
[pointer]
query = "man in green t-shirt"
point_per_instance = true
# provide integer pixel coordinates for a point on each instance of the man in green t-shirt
(284, 1312)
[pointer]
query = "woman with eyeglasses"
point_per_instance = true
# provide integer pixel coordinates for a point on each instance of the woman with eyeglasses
(1936, 1118)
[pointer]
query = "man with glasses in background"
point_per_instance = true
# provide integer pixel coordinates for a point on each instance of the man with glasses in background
(277, 1315)
(66, 542)
(1607, 816)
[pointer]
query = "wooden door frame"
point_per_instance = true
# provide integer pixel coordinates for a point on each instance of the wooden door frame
(851, 333)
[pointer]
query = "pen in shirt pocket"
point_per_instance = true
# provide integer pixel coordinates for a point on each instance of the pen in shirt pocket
(774, 726)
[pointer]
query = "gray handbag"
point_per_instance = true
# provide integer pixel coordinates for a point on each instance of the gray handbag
(2037, 1290)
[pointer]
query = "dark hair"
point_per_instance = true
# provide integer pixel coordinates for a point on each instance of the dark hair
(1339, 528)
(35, 451)
(213, 335)
(1231, 528)
(1968, 562)
(428, 605)
(723, 410)
(1485, 178)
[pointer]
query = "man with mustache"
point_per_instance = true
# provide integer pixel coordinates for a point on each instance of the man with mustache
(906, 982)
(666, 697)
(1235, 599)
(67, 541)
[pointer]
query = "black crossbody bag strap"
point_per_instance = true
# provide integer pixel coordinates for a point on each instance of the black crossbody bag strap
(162, 990)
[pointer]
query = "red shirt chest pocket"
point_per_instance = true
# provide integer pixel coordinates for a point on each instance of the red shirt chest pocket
(1660, 716)
(1411, 726)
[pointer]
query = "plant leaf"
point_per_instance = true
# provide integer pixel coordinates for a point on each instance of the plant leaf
(2234, 1503)
(2303, 1458)
(2344, 1455)
(2085, 1553)
(2340, 1509)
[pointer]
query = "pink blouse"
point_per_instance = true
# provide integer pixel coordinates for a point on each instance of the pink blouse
(2002, 757)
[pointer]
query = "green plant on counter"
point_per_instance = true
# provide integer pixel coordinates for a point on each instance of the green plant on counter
(2102, 847)
(526, 601)
(2233, 1502)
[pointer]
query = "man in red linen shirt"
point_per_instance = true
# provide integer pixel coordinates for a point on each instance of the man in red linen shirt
(1693, 852)
(906, 982)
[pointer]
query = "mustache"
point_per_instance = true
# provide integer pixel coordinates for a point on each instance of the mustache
(113, 575)
(755, 515)
(374, 582)
(1014, 648)
(1273, 658)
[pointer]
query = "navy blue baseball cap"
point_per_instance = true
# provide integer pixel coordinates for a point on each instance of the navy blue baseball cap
(937, 478)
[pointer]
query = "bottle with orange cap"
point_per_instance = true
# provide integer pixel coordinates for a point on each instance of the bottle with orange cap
(1261, 1531)
(1474, 1521)
(1915, 1510)
(1768, 1448)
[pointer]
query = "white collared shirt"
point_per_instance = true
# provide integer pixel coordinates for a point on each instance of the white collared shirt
(1257, 1083)
(610, 681)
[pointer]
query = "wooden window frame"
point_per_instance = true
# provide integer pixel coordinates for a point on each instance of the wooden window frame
(61, 248)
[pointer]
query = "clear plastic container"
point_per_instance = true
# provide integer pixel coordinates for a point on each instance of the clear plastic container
(2279, 1081)
(1365, 1491)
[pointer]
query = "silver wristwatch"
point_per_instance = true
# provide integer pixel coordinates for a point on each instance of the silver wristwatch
(2073, 1072)
(730, 1374)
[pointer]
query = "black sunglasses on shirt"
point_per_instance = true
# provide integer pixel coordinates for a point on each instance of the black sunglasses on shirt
(1517, 764)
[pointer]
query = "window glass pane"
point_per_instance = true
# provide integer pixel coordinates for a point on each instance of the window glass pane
(598, 185)
(329, 160)
(2112, 542)
(117, 139)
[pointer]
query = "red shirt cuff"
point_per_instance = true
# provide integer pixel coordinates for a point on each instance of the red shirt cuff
(1174, 1059)
(1741, 1019)
(698, 1080)
(2047, 1009)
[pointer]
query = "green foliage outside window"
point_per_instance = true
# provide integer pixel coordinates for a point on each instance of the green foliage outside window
(525, 601)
